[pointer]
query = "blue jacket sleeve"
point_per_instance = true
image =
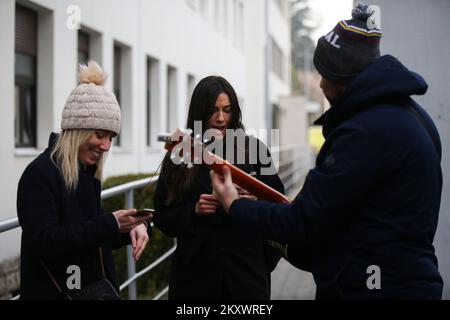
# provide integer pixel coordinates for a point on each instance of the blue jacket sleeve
(351, 162)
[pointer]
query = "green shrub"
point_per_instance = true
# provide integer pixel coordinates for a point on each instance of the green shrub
(154, 281)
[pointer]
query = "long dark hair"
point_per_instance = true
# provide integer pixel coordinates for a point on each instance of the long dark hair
(178, 178)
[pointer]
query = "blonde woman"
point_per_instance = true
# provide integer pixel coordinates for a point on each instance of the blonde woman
(67, 238)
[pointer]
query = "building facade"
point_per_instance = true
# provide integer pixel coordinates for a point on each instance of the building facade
(155, 51)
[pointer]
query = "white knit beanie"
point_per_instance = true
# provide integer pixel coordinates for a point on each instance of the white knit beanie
(91, 105)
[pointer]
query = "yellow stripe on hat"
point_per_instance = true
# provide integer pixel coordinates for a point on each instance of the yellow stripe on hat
(374, 33)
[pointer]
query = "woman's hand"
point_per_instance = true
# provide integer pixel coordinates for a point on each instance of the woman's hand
(128, 220)
(139, 239)
(244, 194)
(207, 204)
(224, 188)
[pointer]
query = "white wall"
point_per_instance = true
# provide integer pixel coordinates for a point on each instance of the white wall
(10, 168)
(255, 46)
(415, 32)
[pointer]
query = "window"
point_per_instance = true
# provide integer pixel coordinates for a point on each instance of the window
(117, 81)
(149, 103)
(225, 17)
(25, 131)
(84, 40)
(190, 89)
(89, 46)
(278, 61)
(152, 100)
(276, 116)
(123, 87)
(172, 92)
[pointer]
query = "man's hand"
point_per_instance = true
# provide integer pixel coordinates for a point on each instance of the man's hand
(139, 239)
(224, 188)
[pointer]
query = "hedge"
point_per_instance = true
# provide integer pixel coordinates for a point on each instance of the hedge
(154, 281)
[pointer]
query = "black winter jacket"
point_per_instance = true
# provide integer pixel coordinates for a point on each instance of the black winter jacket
(215, 258)
(62, 228)
(373, 198)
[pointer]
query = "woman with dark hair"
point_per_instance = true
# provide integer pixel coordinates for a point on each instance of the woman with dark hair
(215, 258)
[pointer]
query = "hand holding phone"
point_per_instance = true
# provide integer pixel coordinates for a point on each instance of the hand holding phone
(128, 219)
(145, 213)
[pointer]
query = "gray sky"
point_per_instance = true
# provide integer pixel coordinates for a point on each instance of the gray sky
(330, 12)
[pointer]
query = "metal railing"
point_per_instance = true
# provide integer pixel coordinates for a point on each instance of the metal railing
(293, 163)
(128, 189)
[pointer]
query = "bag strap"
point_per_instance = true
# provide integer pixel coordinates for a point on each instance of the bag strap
(101, 262)
(56, 283)
(51, 277)
(425, 124)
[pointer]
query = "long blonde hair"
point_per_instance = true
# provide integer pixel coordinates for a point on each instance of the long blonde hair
(65, 155)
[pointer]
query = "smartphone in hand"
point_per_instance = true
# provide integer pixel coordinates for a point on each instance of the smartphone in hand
(143, 213)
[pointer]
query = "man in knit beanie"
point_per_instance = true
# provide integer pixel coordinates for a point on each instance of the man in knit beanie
(346, 50)
(350, 47)
(365, 220)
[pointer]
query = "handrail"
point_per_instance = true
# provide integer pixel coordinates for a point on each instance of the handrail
(148, 268)
(13, 222)
(9, 224)
(117, 190)
(163, 292)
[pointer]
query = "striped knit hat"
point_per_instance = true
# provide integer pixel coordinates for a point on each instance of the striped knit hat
(350, 47)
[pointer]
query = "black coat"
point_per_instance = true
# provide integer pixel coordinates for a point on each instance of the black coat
(372, 199)
(215, 258)
(62, 228)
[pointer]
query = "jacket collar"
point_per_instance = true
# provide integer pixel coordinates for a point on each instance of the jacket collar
(52, 140)
(385, 80)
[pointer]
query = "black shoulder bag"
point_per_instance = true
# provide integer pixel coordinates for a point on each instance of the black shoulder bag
(99, 290)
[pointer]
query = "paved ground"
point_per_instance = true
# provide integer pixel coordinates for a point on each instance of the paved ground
(290, 283)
